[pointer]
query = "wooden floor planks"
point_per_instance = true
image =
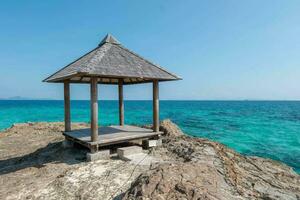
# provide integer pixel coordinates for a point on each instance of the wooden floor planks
(111, 134)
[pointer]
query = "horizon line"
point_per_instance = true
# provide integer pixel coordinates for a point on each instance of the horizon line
(28, 99)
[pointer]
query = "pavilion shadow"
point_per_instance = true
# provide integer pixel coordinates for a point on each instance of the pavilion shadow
(52, 153)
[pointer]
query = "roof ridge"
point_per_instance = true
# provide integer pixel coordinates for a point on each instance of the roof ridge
(155, 65)
(109, 39)
(70, 64)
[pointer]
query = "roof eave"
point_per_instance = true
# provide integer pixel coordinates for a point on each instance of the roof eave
(65, 78)
(60, 79)
(143, 77)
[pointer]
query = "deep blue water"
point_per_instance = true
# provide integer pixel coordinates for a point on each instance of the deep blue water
(268, 129)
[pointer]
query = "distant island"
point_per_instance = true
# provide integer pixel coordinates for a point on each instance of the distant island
(24, 98)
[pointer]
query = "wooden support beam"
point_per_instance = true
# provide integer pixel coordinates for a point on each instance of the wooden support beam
(121, 103)
(94, 109)
(67, 106)
(155, 106)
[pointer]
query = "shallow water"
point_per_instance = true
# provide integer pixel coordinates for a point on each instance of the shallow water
(268, 129)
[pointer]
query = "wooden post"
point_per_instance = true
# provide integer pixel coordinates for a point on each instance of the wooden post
(94, 109)
(121, 103)
(155, 106)
(67, 106)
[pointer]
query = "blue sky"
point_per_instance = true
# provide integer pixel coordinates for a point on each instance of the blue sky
(222, 49)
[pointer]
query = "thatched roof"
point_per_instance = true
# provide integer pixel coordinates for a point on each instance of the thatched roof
(109, 62)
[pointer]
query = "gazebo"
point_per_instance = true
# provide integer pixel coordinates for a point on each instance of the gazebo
(110, 63)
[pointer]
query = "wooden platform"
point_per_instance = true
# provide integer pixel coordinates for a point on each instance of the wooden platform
(110, 135)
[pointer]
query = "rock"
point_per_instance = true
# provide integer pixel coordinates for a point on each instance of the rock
(34, 165)
(209, 170)
(181, 181)
(170, 129)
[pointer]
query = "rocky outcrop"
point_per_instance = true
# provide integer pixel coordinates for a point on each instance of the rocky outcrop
(170, 129)
(34, 165)
(203, 169)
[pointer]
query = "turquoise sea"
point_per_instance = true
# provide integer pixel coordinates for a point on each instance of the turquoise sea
(268, 129)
